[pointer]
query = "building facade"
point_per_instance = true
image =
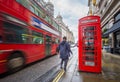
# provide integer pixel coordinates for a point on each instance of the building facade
(49, 8)
(65, 30)
(109, 11)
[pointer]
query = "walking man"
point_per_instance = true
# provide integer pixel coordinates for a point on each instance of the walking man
(64, 50)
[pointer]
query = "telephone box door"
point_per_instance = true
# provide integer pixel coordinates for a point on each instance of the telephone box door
(90, 47)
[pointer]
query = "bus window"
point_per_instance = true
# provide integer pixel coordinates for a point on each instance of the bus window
(53, 40)
(37, 38)
(1, 40)
(14, 33)
(57, 41)
(48, 39)
(26, 38)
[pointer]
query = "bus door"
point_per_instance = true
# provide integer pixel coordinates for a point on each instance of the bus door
(48, 45)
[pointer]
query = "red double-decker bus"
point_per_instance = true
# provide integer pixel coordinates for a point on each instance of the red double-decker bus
(27, 34)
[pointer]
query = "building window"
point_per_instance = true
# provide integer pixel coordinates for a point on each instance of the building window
(32, 9)
(108, 2)
(25, 3)
(117, 39)
(117, 17)
(103, 10)
(117, 42)
(37, 13)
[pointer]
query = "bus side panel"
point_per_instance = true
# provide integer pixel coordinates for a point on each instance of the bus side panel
(53, 50)
(3, 60)
(35, 52)
(32, 52)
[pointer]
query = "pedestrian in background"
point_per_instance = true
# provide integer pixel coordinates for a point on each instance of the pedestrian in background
(64, 51)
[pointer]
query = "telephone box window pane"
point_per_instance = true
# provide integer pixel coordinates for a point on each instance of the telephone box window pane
(89, 28)
(89, 53)
(89, 58)
(90, 34)
(89, 48)
(87, 43)
(89, 63)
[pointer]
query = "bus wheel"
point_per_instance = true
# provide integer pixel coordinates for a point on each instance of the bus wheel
(15, 62)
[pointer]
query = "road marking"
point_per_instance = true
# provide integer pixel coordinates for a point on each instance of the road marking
(60, 74)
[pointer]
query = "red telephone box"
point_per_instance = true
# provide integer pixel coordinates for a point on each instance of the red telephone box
(89, 44)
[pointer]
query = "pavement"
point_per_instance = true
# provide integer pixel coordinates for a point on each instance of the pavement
(40, 71)
(49, 70)
(73, 75)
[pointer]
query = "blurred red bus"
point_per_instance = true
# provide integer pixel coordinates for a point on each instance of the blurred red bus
(25, 36)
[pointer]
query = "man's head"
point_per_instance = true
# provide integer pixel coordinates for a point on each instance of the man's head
(64, 38)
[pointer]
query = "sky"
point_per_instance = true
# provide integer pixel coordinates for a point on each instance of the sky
(71, 11)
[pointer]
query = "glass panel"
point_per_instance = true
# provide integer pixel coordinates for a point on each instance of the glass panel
(26, 38)
(89, 58)
(89, 28)
(32, 9)
(89, 53)
(48, 19)
(117, 17)
(48, 40)
(25, 3)
(88, 41)
(37, 38)
(55, 25)
(57, 41)
(14, 33)
(89, 48)
(48, 45)
(89, 34)
(53, 40)
(37, 13)
(118, 41)
(1, 39)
